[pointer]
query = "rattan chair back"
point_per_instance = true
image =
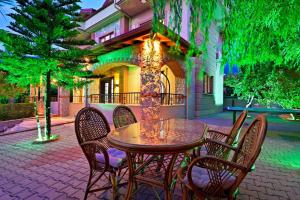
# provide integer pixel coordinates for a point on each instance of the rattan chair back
(90, 125)
(250, 145)
(236, 127)
(123, 116)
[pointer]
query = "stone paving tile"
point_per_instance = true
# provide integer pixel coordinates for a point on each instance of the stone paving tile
(59, 170)
(26, 193)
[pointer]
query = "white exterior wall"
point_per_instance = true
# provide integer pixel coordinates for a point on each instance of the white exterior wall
(212, 66)
(105, 13)
(112, 27)
(141, 18)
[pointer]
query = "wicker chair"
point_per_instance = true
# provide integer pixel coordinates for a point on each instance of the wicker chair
(123, 116)
(229, 138)
(214, 176)
(91, 129)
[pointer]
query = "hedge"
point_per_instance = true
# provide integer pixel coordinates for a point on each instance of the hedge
(16, 111)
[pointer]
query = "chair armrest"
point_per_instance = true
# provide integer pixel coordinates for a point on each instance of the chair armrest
(216, 160)
(216, 135)
(216, 132)
(218, 169)
(221, 144)
(217, 148)
(90, 149)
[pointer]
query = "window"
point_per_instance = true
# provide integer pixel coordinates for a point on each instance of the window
(106, 37)
(208, 84)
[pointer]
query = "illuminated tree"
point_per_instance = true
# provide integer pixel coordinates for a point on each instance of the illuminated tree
(8, 90)
(24, 72)
(258, 36)
(48, 31)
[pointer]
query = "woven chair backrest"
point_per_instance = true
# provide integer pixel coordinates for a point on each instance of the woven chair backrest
(90, 124)
(250, 145)
(123, 116)
(236, 127)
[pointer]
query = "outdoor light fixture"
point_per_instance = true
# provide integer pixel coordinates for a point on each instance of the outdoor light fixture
(143, 1)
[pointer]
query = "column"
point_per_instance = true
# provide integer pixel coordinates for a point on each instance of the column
(150, 63)
(63, 102)
(190, 93)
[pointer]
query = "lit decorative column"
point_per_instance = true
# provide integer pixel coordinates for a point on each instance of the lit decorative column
(150, 63)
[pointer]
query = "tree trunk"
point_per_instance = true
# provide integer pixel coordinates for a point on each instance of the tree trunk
(47, 104)
(36, 113)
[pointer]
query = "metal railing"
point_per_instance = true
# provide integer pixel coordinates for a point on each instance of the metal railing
(135, 98)
(171, 99)
(121, 98)
(77, 99)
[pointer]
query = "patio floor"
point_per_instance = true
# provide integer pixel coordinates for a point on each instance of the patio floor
(59, 170)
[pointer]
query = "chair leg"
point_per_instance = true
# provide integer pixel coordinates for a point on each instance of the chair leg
(88, 185)
(160, 161)
(185, 193)
(113, 180)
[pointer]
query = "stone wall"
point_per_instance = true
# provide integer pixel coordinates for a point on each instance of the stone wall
(179, 85)
(150, 63)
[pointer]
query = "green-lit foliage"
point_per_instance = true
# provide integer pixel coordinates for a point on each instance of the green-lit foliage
(48, 30)
(8, 90)
(263, 38)
(256, 34)
(268, 85)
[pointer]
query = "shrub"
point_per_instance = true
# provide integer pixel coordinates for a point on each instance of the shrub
(16, 111)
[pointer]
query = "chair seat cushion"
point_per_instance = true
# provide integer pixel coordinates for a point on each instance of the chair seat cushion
(116, 157)
(200, 177)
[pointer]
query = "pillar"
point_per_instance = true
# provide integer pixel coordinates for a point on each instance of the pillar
(150, 63)
(190, 93)
(63, 102)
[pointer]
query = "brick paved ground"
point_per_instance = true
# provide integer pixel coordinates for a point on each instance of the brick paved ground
(59, 170)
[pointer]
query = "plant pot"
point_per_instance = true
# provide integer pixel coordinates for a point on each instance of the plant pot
(45, 140)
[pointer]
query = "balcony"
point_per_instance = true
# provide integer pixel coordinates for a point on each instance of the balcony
(130, 98)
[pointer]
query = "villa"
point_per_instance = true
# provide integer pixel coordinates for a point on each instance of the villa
(127, 72)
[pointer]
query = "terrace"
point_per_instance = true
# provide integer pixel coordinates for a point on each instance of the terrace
(147, 100)
(60, 171)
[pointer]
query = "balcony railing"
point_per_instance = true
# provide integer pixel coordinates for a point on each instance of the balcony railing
(135, 98)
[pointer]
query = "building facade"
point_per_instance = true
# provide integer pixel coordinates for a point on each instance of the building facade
(137, 69)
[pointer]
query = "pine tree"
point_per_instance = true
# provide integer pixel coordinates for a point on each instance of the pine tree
(48, 31)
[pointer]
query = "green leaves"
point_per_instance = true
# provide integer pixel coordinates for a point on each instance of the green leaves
(262, 37)
(268, 84)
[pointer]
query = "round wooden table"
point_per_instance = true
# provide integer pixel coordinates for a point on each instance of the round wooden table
(160, 143)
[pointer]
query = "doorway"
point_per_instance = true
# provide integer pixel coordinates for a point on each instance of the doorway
(106, 90)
